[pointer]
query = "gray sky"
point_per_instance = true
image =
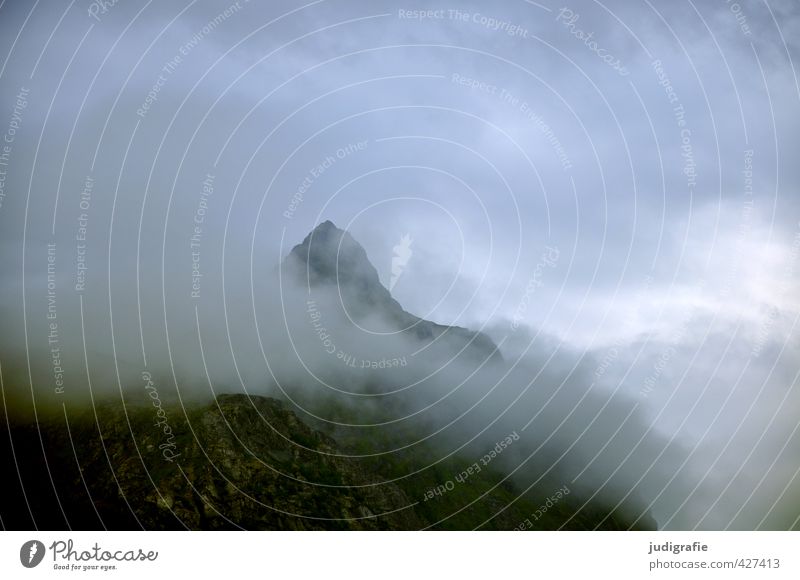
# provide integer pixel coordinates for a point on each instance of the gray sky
(650, 146)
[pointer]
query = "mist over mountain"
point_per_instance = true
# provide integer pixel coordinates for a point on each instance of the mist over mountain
(369, 418)
(404, 235)
(329, 261)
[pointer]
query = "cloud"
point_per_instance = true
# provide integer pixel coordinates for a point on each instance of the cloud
(487, 148)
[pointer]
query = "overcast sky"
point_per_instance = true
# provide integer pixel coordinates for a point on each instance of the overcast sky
(619, 177)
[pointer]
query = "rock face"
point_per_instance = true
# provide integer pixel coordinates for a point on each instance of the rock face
(329, 258)
(248, 462)
(239, 462)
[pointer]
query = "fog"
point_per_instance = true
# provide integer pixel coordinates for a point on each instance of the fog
(640, 282)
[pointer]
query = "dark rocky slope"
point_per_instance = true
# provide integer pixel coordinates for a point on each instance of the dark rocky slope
(249, 463)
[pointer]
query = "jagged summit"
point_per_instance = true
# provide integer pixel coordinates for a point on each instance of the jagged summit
(329, 256)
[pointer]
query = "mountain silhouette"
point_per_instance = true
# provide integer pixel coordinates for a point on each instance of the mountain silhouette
(248, 461)
(330, 258)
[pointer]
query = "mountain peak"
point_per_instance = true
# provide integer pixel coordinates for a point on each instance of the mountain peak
(329, 256)
(327, 225)
(326, 229)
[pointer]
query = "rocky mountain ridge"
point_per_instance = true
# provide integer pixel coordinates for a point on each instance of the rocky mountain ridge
(330, 258)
